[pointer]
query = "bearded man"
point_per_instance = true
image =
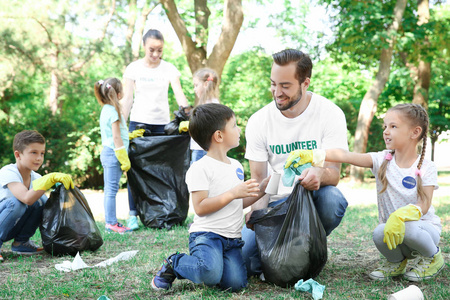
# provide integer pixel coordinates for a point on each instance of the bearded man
(296, 119)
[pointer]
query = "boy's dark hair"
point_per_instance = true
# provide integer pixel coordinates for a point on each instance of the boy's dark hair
(206, 119)
(153, 34)
(25, 138)
(303, 62)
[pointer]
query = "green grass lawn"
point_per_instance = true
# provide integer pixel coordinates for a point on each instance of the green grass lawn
(351, 256)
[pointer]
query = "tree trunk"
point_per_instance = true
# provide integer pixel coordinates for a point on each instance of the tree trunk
(233, 18)
(433, 145)
(132, 12)
(202, 14)
(196, 51)
(424, 70)
(140, 25)
(369, 102)
(54, 92)
(135, 28)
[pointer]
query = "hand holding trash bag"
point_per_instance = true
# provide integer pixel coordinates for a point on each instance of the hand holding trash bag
(182, 114)
(184, 126)
(47, 181)
(136, 133)
(315, 157)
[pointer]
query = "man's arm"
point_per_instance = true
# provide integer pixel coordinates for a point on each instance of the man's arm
(315, 177)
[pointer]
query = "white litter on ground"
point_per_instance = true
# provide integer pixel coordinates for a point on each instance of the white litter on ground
(78, 263)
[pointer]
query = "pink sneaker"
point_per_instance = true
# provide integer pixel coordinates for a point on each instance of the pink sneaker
(119, 228)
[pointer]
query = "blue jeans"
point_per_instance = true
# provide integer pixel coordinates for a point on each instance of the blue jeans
(213, 260)
(19, 221)
(197, 154)
(111, 177)
(330, 205)
(157, 129)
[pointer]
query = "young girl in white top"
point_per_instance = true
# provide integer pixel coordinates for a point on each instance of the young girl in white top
(206, 88)
(409, 228)
(114, 156)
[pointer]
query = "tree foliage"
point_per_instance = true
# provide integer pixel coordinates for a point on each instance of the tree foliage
(76, 43)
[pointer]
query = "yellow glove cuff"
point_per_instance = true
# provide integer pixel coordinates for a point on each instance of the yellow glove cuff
(122, 157)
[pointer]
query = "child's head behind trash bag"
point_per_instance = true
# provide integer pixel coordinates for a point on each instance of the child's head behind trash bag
(67, 224)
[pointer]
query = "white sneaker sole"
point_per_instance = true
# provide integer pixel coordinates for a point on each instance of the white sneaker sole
(417, 279)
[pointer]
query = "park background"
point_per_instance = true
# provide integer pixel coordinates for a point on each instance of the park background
(367, 55)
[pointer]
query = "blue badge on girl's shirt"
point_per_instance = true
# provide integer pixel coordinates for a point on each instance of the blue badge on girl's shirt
(240, 173)
(409, 182)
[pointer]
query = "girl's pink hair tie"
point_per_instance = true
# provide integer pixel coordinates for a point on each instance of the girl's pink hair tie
(388, 156)
(419, 173)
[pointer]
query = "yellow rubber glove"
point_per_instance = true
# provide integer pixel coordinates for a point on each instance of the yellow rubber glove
(47, 181)
(136, 133)
(184, 126)
(394, 230)
(315, 157)
(122, 156)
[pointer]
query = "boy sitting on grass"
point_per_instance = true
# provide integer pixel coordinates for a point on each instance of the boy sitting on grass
(22, 191)
(219, 195)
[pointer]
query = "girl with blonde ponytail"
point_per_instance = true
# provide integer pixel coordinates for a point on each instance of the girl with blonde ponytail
(206, 89)
(114, 156)
(408, 227)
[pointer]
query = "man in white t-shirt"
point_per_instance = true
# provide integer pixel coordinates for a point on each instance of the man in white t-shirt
(296, 119)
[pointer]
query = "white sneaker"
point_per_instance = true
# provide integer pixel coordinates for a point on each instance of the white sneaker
(389, 269)
(425, 267)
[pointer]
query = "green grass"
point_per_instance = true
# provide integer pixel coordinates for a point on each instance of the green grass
(351, 256)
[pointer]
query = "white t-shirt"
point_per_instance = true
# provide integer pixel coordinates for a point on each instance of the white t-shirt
(194, 145)
(271, 136)
(10, 173)
(402, 188)
(216, 177)
(151, 102)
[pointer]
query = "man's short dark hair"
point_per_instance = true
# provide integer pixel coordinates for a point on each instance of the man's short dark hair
(303, 62)
(25, 138)
(206, 119)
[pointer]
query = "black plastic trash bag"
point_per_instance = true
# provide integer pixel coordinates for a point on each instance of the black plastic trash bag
(182, 114)
(291, 239)
(157, 179)
(68, 225)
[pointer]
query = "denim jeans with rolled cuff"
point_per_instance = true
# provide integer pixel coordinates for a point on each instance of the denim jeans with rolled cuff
(214, 260)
